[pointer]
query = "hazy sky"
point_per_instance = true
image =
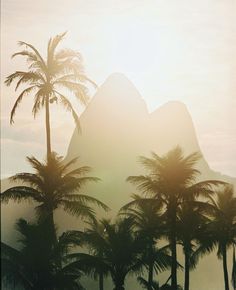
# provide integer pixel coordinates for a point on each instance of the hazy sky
(171, 50)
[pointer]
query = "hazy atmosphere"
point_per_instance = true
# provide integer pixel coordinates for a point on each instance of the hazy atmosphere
(171, 50)
(118, 145)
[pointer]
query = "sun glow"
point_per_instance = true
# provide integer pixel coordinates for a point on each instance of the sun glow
(171, 50)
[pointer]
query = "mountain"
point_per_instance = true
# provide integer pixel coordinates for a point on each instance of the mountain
(116, 129)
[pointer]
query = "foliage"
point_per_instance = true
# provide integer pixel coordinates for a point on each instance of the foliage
(54, 186)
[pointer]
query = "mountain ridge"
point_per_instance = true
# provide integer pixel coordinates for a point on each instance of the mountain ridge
(118, 87)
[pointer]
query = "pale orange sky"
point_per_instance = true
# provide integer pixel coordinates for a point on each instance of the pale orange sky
(171, 50)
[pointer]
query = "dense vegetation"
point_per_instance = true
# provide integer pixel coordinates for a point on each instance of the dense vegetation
(173, 208)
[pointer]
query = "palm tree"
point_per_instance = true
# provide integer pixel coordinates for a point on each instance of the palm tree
(34, 266)
(116, 250)
(93, 263)
(146, 214)
(191, 219)
(170, 179)
(48, 79)
(220, 232)
(54, 186)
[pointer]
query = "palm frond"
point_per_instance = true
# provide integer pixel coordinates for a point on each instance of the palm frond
(145, 183)
(42, 62)
(20, 193)
(67, 53)
(68, 164)
(52, 45)
(33, 59)
(39, 101)
(86, 199)
(78, 89)
(71, 185)
(67, 104)
(80, 171)
(29, 178)
(203, 188)
(19, 99)
(76, 208)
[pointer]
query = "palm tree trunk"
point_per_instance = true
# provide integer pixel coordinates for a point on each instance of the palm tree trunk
(150, 276)
(173, 249)
(100, 281)
(52, 228)
(48, 133)
(225, 269)
(186, 269)
(173, 264)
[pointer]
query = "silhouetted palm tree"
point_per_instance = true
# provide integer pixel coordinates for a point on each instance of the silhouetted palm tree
(54, 186)
(191, 219)
(91, 238)
(170, 180)
(220, 232)
(146, 214)
(117, 251)
(35, 265)
(49, 80)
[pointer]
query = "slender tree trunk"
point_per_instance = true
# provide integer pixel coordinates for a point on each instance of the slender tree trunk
(173, 249)
(150, 253)
(186, 269)
(101, 281)
(51, 235)
(173, 264)
(225, 269)
(150, 276)
(48, 133)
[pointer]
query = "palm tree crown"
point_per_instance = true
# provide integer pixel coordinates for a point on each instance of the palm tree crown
(50, 79)
(54, 186)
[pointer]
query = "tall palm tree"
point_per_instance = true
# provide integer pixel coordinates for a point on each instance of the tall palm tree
(49, 79)
(220, 232)
(146, 214)
(170, 179)
(191, 218)
(34, 266)
(117, 251)
(53, 186)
